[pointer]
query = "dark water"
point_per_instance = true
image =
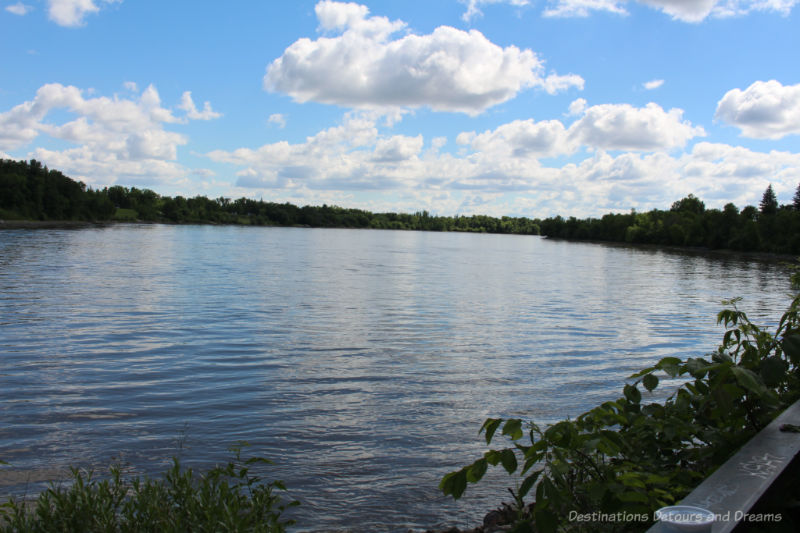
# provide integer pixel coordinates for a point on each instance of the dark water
(362, 362)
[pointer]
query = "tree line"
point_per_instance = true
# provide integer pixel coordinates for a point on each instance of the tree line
(30, 191)
(770, 227)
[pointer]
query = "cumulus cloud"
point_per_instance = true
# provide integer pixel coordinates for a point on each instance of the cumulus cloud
(71, 13)
(522, 138)
(765, 110)
(19, 9)
(499, 171)
(577, 107)
(360, 154)
(112, 136)
(683, 10)
(397, 148)
(473, 6)
(624, 127)
(366, 65)
(187, 104)
(348, 156)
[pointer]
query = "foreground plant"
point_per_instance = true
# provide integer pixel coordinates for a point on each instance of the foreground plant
(627, 458)
(226, 498)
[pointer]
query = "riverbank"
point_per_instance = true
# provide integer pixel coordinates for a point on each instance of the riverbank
(691, 250)
(50, 224)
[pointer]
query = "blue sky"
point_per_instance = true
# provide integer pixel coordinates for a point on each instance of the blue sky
(501, 107)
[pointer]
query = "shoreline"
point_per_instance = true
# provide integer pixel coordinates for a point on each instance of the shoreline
(52, 224)
(693, 250)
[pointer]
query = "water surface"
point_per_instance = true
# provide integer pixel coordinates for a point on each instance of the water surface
(362, 362)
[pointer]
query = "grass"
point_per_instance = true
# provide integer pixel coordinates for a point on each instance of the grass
(226, 498)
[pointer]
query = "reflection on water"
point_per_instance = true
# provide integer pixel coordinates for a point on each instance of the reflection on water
(362, 362)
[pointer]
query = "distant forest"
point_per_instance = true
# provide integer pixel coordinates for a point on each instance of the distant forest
(30, 191)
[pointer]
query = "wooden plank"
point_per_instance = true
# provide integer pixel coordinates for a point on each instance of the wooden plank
(735, 487)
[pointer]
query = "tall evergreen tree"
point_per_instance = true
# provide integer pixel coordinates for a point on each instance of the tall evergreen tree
(769, 202)
(797, 198)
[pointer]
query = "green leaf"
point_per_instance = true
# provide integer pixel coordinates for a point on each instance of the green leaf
(490, 425)
(698, 368)
(631, 479)
(454, 484)
(513, 428)
(670, 365)
(650, 382)
(632, 394)
(477, 470)
(773, 371)
(494, 457)
(791, 347)
(608, 446)
(509, 460)
(748, 379)
(614, 437)
(722, 357)
(528, 483)
(561, 434)
(643, 372)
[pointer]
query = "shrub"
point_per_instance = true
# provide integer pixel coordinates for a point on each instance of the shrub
(226, 498)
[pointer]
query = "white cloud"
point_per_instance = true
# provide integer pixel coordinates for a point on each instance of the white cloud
(363, 67)
(335, 157)
(360, 154)
(555, 83)
(624, 127)
(397, 148)
(583, 8)
(71, 13)
(187, 104)
(765, 110)
(683, 10)
(503, 170)
(131, 86)
(473, 6)
(653, 84)
(522, 138)
(277, 118)
(113, 137)
(734, 8)
(19, 9)
(577, 107)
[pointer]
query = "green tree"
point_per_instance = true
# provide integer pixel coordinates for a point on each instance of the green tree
(690, 204)
(796, 201)
(769, 202)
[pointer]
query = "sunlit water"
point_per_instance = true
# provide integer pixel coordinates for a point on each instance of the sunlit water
(362, 362)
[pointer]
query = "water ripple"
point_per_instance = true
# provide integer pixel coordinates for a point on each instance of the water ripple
(362, 362)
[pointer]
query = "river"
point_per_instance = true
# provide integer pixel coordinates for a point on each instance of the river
(362, 362)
